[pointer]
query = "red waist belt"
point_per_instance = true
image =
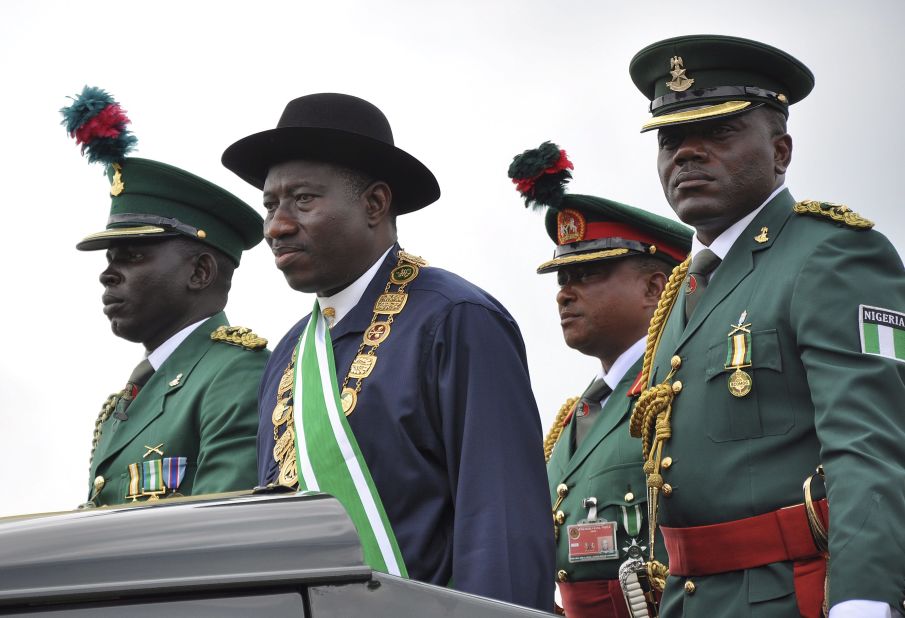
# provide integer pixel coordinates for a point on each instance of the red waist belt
(597, 598)
(778, 536)
(742, 544)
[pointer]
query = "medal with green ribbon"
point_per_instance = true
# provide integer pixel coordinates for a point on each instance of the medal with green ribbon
(738, 355)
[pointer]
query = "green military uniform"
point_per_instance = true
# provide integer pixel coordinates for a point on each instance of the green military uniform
(597, 484)
(806, 288)
(191, 426)
(195, 406)
(605, 466)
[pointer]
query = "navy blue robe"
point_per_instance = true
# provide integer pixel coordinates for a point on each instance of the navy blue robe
(449, 428)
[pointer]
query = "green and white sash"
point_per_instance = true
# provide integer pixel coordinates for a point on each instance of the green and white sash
(328, 455)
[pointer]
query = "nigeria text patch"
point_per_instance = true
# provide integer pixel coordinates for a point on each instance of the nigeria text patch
(882, 332)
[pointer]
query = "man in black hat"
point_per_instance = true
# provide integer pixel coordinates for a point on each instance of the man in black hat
(778, 348)
(406, 392)
(611, 261)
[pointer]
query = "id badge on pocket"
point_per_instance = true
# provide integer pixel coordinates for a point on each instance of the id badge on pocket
(592, 541)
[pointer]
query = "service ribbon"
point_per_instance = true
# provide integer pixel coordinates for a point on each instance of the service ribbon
(738, 352)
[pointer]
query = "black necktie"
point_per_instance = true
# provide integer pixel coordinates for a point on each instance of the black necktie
(704, 263)
(588, 408)
(140, 376)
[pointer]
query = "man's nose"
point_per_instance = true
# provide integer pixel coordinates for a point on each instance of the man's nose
(109, 276)
(565, 295)
(692, 148)
(280, 223)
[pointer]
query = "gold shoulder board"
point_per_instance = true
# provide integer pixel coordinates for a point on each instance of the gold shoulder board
(835, 212)
(239, 336)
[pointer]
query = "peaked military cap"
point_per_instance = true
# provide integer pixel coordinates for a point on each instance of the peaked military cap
(587, 228)
(151, 199)
(700, 77)
(340, 129)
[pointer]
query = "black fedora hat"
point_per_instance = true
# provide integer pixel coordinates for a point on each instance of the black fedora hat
(341, 129)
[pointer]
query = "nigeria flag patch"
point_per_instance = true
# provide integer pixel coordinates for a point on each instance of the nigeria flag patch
(882, 332)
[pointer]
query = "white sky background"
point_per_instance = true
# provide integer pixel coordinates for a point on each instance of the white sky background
(465, 85)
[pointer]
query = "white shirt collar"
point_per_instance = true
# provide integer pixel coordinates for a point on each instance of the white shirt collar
(625, 361)
(163, 351)
(345, 300)
(722, 243)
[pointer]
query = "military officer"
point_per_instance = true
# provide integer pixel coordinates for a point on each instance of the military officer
(185, 423)
(417, 375)
(611, 262)
(776, 349)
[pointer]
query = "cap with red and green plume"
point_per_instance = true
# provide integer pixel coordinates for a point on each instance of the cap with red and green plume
(541, 175)
(151, 199)
(98, 125)
(587, 228)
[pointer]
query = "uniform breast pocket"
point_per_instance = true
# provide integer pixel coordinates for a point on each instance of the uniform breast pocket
(618, 486)
(765, 410)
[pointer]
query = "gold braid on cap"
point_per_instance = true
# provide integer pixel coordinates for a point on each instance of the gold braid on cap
(557, 427)
(651, 415)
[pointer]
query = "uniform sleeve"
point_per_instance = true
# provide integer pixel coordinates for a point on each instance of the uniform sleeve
(859, 402)
(502, 535)
(228, 426)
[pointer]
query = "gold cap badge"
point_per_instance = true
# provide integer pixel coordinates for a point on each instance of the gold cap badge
(116, 185)
(680, 82)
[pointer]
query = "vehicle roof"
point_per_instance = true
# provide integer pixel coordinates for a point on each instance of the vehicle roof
(178, 544)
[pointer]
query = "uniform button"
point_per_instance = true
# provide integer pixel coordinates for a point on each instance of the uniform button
(560, 517)
(666, 463)
(629, 497)
(99, 482)
(562, 576)
(677, 386)
(675, 362)
(667, 489)
(562, 490)
(690, 587)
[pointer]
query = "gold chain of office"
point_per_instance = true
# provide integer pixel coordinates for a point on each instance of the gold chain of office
(388, 305)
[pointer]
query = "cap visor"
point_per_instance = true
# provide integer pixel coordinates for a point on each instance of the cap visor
(578, 258)
(699, 113)
(102, 240)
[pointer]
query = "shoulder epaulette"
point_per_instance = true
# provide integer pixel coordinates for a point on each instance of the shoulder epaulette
(239, 336)
(559, 423)
(835, 212)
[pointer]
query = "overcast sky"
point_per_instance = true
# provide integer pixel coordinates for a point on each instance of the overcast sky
(465, 85)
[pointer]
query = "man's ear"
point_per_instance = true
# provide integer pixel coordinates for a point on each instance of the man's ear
(655, 284)
(204, 271)
(782, 153)
(378, 198)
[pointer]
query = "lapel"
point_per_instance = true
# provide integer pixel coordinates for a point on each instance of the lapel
(150, 401)
(359, 318)
(739, 262)
(617, 406)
